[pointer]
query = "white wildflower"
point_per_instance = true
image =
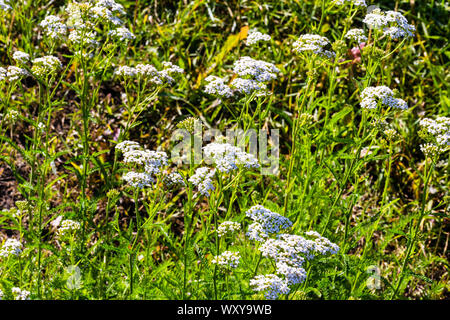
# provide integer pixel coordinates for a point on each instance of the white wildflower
(313, 43)
(202, 179)
(270, 284)
(46, 65)
(21, 57)
(15, 73)
(20, 294)
(372, 95)
(122, 34)
(67, 227)
(217, 86)
(259, 70)
(271, 222)
(227, 259)
(228, 227)
(227, 157)
(356, 35)
(254, 36)
(138, 179)
(11, 247)
(53, 27)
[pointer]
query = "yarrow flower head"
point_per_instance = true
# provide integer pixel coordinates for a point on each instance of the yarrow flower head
(21, 57)
(126, 146)
(15, 73)
(228, 227)
(11, 247)
(254, 36)
(138, 179)
(358, 3)
(227, 157)
(4, 6)
(249, 86)
(202, 179)
(68, 227)
(371, 96)
(270, 284)
(313, 43)
(265, 223)
(173, 179)
(20, 294)
(217, 86)
(356, 35)
(437, 134)
(227, 260)
(258, 70)
(394, 24)
(122, 34)
(46, 65)
(290, 252)
(53, 27)
(150, 73)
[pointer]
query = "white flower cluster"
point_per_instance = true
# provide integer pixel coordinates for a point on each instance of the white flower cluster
(13, 73)
(259, 70)
(202, 179)
(226, 260)
(173, 179)
(21, 57)
(82, 19)
(138, 179)
(289, 253)
(356, 35)
(313, 43)
(252, 75)
(265, 223)
(217, 86)
(68, 227)
(79, 36)
(254, 36)
(127, 145)
(4, 6)
(1, 292)
(358, 3)
(394, 24)
(438, 132)
(11, 247)
(270, 284)
(122, 34)
(372, 95)
(228, 227)
(53, 27)
(20, 294)
(135, 155)
(227, 157)
(439, 128)
(150, 73)
(46, 65)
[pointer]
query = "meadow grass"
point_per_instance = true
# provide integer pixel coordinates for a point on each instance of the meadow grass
(360, 201)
